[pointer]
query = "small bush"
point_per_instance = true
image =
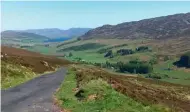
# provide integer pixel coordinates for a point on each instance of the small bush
(109, 54)
(142, 48)
(154, 76)
(153, 61)
(166, 58)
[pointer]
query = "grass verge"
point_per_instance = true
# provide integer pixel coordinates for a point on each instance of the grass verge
(15, 74)
(97, 96)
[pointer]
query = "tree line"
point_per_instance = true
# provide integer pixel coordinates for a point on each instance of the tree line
(122, 52)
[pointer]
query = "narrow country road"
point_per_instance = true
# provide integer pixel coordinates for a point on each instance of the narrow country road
(34, 95)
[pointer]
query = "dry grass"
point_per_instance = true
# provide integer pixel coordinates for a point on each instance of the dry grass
(37, 62)
(170, 47)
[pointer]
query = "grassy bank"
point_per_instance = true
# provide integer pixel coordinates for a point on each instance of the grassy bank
(18, 65)
(97, 96)
(12, 74)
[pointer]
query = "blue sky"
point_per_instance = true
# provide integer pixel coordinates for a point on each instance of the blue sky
(64, 15)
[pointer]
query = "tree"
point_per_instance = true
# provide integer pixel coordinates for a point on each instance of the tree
(78, 39)
(109, 54)
(125, 51)
(142, 48)
(70, 54)
(184, 61)
(135, 66)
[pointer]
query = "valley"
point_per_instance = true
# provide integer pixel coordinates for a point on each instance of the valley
(161, 53)
(137, 66)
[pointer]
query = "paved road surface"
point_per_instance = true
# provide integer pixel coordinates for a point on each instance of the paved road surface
(34, 95)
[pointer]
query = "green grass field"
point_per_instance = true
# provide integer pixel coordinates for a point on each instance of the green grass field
(176, 75)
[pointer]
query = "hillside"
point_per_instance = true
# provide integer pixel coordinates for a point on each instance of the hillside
(13, 37)
(20, 65)
(160, 54)
(171, 26)
(55, 32)
(87, 88)
(34, 60)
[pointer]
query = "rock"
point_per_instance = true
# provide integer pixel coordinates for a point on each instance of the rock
(92, 97)
(45, 63)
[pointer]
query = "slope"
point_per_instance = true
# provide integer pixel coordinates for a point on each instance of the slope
(19, 65)
(15, 37)
(56, 33)
(171, 26)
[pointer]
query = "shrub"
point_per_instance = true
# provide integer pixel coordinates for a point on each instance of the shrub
(135, 67)
(142, 48)
(184, 61)
(153, 61)
(78, 59)
(104, 50)
(166, 58)
(25, 46)
(154, 76)
(82, 47)
(97, 64)
(125, 51)
(109, 54)
(78, 39)
(70, 54)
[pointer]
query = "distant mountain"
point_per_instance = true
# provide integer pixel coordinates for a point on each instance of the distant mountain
(158, 28)
(49, 32)
(14, 36)
(56, 33)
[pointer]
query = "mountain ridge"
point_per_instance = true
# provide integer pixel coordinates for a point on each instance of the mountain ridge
(170, 26)
(56, 32)
(21, 36)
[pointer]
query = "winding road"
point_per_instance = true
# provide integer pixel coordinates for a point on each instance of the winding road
(34, 95)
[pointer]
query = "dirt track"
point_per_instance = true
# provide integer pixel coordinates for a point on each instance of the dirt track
(33, 96)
